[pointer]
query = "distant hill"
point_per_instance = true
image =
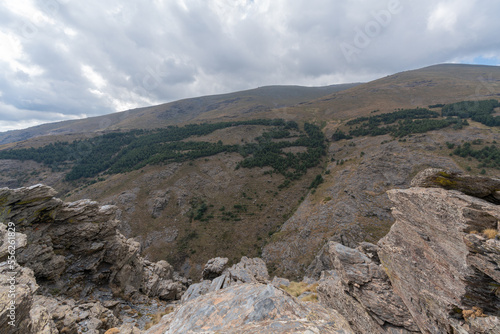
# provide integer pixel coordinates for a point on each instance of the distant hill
(193, 109)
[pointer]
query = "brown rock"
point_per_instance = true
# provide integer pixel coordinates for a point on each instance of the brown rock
(78, 243)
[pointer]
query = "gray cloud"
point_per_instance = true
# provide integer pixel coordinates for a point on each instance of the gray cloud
(67, 59)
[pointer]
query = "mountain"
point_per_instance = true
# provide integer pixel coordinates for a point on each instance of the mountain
(276, 172)
(189, 110)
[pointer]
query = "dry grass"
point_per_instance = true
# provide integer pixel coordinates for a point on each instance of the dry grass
(310, 298)
(490, 233)
(155, 318)
(475, 312)
(112, 331)
(298, 288)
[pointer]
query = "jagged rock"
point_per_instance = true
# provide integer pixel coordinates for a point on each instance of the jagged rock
(477, 186)
(250, 308)
(435, 266)
(8, 234)
(214, 267)
(246, 271)
(76, 245)
(74, 316)
(196, 290)
(279, 281)
(17, 287)
(249, 271)
(42, 321)
(360, 290)
(158, 281)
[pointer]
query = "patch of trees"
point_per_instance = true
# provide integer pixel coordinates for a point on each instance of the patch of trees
(126, 151)
(398, 124)
(291, 165)
(479, 111)
(488, 156)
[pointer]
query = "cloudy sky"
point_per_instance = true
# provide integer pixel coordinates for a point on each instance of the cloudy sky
(67, 59)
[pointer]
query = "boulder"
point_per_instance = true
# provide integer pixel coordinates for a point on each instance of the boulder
(476, 186)
(17, 287)
(359, 289)
(249, 271)
(250, 308)
(70, 315)
(445, 274)
(246, 271)
(214, 268)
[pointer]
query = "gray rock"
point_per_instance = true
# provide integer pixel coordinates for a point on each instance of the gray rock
(214, 268)
(249, 271)
(361, 291)
(75, 246)
(279, 281)
(251, 308)
(17, 287)
(477, 186)
(196, 290)
(437, 269)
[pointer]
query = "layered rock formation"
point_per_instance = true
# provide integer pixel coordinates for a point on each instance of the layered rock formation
(359, 288)
(437, 263)
(72, 255)
(437, 269)
(242, 300)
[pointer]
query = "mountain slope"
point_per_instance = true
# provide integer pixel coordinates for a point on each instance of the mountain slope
(193, 109)
(256, 211)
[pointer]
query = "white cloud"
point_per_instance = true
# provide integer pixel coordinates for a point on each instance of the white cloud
(76, 58)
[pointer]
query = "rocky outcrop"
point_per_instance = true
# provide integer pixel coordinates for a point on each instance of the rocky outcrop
(436, 271)
(352, 205)
(76, 246)
(68, 256)
(442, 271)
(214, 268)
(359, 289)
(246, 271)
(250, 308)
(17, 287)
(476, 186)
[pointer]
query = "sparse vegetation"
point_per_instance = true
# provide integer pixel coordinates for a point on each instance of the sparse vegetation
(121, 152)
(155, 318)
(296, 289)
(479, 111)
(398, 124)
(475, 312)
(488, 156)
(490, 233)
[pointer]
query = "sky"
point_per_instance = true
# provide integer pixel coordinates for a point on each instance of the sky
(69, 59)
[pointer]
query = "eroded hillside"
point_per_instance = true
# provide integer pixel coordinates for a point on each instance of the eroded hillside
(196, 198)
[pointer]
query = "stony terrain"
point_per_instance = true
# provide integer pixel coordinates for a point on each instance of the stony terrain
(436, 271)
(287, 227)
(74, 257)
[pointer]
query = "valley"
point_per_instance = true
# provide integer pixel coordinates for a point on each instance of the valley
(191, 181)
